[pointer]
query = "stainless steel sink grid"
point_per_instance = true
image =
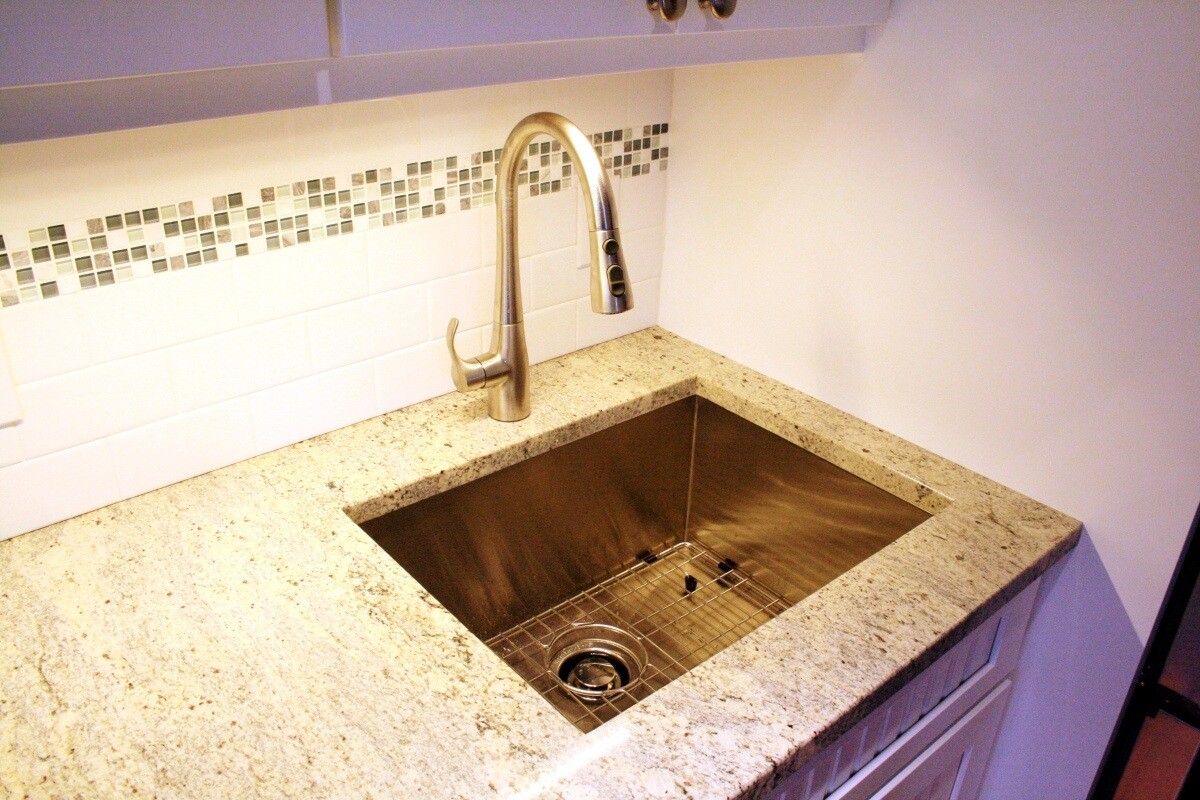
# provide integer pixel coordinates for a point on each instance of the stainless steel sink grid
(686, 527)
(678, 628)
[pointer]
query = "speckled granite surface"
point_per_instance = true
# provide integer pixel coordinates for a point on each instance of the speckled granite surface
(237, 635)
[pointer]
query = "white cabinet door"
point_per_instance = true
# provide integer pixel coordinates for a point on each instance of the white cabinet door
(177, 62)
(952, 768)
(57, 41)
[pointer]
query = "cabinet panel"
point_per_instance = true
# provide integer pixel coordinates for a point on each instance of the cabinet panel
(952, 768)
(55, 41)
(166, 63)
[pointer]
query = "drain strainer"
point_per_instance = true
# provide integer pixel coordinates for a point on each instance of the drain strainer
(594, 661)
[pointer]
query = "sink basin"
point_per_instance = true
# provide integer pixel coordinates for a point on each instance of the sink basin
(604, 569)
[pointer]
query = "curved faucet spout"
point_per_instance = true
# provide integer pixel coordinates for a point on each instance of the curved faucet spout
(504, 371)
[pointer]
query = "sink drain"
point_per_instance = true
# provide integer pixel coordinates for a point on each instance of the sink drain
(594, 661)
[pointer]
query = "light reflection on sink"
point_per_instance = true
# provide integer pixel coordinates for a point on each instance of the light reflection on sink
(686, 528)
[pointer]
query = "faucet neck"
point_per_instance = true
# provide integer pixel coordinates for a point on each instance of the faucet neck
(592, 179)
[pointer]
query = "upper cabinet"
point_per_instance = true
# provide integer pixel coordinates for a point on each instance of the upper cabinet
(371, 27)
(58, 41)
(68, 67)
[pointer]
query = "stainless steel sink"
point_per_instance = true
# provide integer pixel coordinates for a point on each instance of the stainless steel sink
(604, 569)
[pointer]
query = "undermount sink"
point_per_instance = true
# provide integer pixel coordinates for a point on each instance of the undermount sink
(604, 569)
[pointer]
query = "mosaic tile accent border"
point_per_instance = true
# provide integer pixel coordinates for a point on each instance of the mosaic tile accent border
(88, 253)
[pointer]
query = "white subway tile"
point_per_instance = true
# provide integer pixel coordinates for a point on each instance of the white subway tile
(451, 124)
(557, 277)
(158, 311)
(468, 296)
(507, 104)
(594, 103)
(197, 160)
(233, 364)
(368, 327)
(202, 301)
(55, 487)
(51, 180)
(415, 252)
(550, 332)
(547, 222)
(302, 409)
(342, 138)
(284, 282)
(92, 403)
(594, 328)
(45, 339)
(643, 201)
(643, 252)
(10, 446)
(183, 446)
(649, 96)
(10, 402)
(421, 372)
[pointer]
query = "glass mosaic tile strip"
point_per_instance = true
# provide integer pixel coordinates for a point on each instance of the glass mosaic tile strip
(87, 253)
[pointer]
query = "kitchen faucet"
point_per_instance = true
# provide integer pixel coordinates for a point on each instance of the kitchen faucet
(504, 370)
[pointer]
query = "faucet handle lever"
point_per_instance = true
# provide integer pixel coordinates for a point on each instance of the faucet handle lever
(468, 373)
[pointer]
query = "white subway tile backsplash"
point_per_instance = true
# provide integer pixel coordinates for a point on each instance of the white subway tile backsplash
(595, 103)
(302, 409)
(556, 277)
(543, 224)
(241, 362)
(649, 94)
(283, 282)
(200, 299)
(45, 339)
(91, 403)
(547, 223)
(419, 373)
(643, 202)
(448, 125)
(415, 252)
(372, 326)
(57, 486)
(138, 316)
(550, 332)
(469, 296)
(10, 402)
(10, 446)
(185, 445)
(305, 285)
(340, 138)
(595, 328)
(643, 252)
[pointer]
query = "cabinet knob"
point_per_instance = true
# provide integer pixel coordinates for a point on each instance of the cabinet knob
(721, 9)
(669, 10)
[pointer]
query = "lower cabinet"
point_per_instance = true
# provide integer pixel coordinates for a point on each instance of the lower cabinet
(953, 766)
(933, 738)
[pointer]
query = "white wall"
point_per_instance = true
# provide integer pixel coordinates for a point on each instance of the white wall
(983, 234)
(132, 386)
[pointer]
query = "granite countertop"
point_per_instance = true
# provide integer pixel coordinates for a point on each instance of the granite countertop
(237, 635)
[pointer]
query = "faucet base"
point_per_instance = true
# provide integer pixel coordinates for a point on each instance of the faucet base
(508, 400)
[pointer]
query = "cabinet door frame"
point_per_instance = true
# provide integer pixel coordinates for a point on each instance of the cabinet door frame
(961, 754)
